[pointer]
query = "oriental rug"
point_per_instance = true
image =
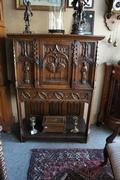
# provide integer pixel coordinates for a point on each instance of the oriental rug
(68, 164)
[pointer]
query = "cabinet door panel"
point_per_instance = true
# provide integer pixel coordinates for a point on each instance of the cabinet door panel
(24, 62)
(55, 64)
(83, 64)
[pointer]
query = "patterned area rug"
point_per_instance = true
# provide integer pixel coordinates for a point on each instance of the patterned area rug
(68, 164)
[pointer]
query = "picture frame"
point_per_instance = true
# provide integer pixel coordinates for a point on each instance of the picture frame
(43, 5)
(89, 16)
(90, 2)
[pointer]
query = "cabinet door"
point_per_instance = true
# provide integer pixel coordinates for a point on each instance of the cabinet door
(54, 69)
(84, 62)
(24, 62)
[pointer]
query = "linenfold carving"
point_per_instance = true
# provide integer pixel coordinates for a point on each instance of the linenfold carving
(27, 48)
(82, 51)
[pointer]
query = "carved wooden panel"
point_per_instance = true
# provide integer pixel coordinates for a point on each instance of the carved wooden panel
(54, 95)
(24, 60)
(83, 64)
(53, 108)
(54, 77)
(55, 63)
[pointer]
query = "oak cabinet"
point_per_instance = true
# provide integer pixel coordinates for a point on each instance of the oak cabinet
(54, 79)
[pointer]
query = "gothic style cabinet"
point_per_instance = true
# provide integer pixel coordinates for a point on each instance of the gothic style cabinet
(54, 79)
(110, 101)
(5, 103)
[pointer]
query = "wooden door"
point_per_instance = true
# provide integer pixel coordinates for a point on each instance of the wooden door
(5, 101)
(55, 60)
(24, 63)
(83, 64)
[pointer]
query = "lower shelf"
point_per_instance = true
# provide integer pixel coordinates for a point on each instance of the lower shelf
(79, 137)
(55, 128)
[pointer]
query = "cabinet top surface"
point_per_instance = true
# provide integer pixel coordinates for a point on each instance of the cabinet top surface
(66, 36)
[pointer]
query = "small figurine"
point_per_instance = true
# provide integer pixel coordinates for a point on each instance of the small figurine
(27, 14)
(80, 6)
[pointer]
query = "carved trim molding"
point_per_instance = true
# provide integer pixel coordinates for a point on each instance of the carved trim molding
(55, 95)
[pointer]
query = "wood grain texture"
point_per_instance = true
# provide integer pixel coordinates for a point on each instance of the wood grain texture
(5, 101)
(54, 75)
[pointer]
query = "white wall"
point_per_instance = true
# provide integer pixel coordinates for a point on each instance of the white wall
(39, 24)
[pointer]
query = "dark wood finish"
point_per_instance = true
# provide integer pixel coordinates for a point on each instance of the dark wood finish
(5, 102)
(54, 76)
(110, 101)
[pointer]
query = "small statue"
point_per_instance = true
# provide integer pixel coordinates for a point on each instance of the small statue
(78, 16)
(80, 6)
(27, 14)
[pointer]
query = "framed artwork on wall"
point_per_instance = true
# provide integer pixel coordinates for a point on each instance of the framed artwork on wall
(89, 6)
(42, 5)
(89, 26)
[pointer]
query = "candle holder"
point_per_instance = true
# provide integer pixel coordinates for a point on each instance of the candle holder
(75, 129)
(33, 123)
